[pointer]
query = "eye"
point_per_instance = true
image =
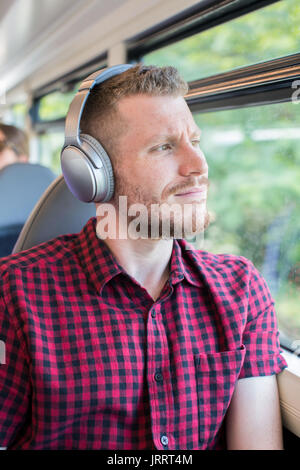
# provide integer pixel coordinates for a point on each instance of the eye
(162, 148)
(196, 142)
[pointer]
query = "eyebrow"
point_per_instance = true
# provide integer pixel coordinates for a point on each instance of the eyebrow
(196, 132)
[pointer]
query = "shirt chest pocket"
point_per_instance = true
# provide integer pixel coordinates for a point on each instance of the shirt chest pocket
(216, 376)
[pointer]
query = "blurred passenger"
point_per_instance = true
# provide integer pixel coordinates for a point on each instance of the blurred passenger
(21, 185)
(14, 145)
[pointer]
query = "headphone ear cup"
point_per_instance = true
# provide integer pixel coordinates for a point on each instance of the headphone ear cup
(88, 171)
(85, 164)
(103, 172)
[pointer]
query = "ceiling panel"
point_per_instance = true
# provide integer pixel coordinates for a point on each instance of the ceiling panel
(25, 23)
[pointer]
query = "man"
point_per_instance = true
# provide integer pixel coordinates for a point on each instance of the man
(119, 342)
(13, 145)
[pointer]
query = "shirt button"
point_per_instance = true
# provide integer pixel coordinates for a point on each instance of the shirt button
(153, 314)
(164, 440)
(158, 377)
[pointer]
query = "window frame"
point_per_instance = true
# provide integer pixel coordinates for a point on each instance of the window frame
(65, 83)
(196, 19)
(264, 83)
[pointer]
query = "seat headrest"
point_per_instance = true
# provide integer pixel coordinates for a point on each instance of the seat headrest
(57, 212)
(21, 186)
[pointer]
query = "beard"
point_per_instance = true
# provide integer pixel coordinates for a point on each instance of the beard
(159, 218)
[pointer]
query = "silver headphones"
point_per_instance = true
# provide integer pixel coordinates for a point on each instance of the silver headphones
(85, 164)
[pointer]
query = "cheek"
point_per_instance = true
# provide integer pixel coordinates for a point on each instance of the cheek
(152, 183)
(147, 177)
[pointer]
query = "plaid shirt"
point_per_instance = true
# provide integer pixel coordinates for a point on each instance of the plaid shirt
(92, 362)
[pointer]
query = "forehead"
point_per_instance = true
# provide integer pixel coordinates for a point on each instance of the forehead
(149, 113)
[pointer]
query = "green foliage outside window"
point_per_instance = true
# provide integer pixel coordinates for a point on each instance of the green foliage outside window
(50, 146)
(51, 107)
(265, 34)
(254, 162)
(19, 112)
(55, 105)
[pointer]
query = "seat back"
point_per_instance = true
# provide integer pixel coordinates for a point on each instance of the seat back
(57, 212)
(21, 186)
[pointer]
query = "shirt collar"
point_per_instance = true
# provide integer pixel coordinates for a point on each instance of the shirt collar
(100, 265)
(183, 263)
(95, 257)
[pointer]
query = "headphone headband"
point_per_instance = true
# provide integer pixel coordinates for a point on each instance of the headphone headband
(72, 126)
(86, 166)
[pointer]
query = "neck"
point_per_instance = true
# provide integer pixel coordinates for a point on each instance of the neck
(146, 260)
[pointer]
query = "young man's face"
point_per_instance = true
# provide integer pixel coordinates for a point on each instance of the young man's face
(158, 158)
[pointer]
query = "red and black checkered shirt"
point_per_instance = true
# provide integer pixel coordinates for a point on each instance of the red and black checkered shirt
(92, 362)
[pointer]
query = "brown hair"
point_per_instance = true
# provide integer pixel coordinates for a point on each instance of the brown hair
(15, 139)
(100, 112)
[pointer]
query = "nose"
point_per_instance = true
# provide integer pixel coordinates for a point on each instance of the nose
(192, 161)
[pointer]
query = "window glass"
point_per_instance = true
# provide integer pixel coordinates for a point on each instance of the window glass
(14, 115)
(265, 34)
(19, 112)
(254, 196)
(50, 146)
(55, 105)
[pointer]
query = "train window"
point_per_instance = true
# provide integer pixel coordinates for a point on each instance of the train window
(19, 112)
(54, 105)
(51, 110)
(254, 159)
(15, 115)
(49, 148)
(264, 34)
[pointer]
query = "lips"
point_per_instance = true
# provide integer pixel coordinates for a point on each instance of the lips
(192, 191)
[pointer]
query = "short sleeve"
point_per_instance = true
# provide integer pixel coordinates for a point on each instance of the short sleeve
(14, 380)
(261, 335)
